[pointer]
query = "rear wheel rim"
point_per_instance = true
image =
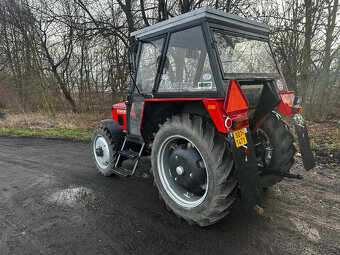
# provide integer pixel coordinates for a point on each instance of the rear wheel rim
(177, 193)
(101, 144)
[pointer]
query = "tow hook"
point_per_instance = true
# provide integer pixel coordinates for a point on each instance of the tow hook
(258, 209)
(246, 152)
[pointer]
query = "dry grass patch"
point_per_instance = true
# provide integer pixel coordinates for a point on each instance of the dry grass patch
(39, 121)
(63, 125)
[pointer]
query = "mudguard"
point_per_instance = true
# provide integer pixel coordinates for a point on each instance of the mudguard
(247, 172)
(115, 130)
(304, 144)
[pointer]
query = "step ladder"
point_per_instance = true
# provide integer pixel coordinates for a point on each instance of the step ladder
(133, 155)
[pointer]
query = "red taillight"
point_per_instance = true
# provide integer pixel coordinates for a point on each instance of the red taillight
(235, 102)
(296, 110)
(239, 123)
(246, 152)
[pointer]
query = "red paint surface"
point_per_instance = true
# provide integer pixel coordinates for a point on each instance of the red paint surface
(216, 111)
(119, 109)
(286, 105)
(214, 107)
(119, 105)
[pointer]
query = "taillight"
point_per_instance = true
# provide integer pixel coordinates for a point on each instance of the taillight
(296, 110)
(239, 123)
(297, 105)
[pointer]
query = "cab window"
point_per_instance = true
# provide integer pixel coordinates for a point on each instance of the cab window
(187, 66)
(150, 56)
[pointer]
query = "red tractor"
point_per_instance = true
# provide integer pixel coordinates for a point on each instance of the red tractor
(204, 99)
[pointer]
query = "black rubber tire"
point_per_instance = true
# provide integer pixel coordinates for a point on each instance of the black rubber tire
(282, 142)
(103, 131)
(216, 152)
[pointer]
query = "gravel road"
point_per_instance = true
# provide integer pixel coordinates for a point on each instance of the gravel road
(53, 201)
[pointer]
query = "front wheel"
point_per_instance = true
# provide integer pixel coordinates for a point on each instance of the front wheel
(103, 151)
(193, 169)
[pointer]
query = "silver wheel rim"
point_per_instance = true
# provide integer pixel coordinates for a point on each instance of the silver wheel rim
(178, 194)
(100, 142)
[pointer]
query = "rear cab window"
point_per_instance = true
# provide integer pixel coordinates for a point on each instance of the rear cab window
(242, 56)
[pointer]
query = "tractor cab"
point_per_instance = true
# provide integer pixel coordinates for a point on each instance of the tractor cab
(204, 99)
(196, 55)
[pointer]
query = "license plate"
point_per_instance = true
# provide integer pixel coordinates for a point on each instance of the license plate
(240, 137)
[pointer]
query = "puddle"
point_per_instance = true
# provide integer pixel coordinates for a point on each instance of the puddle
(73, 197)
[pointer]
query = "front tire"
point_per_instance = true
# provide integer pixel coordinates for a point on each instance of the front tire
(186, 140)
(103, 151)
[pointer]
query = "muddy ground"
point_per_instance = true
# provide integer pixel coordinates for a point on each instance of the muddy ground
(53, 201)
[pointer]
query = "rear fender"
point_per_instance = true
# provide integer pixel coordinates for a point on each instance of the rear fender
(288, 108)
(172, 106)
(304, 144)
(115, 130)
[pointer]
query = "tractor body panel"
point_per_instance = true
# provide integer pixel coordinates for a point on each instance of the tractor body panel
(119, 114)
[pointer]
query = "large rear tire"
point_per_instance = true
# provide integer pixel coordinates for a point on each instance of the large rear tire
(186, 147)
(282, 149)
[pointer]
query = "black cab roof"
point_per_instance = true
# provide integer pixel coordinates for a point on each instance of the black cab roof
(204, 14)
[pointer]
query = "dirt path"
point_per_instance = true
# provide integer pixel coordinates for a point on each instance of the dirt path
(53, 201)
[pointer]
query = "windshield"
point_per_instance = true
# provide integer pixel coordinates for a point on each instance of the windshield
(242, 56)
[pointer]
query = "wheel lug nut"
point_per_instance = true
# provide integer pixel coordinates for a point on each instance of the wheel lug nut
(191, 175)
(176, 157)
(176, 179)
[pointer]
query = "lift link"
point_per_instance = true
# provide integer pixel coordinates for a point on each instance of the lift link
(284, 174)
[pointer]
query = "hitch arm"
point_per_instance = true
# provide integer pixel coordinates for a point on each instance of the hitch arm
(284, 174)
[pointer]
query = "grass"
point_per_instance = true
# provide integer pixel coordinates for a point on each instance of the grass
(70, 133)
(319, 142)
(64, 125)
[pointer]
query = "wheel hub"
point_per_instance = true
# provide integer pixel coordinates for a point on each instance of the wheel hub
(99, 152)
(179, 170)
(187, 168)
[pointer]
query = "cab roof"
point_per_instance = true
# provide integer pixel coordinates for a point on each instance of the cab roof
(200, 15)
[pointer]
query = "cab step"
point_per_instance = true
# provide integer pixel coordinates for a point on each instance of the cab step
(123, 172)
(129, 154)
(133, 155)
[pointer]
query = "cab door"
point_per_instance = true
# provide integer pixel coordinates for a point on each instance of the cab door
(147, 68)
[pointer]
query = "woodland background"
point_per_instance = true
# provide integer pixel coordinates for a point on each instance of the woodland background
(71, 55)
